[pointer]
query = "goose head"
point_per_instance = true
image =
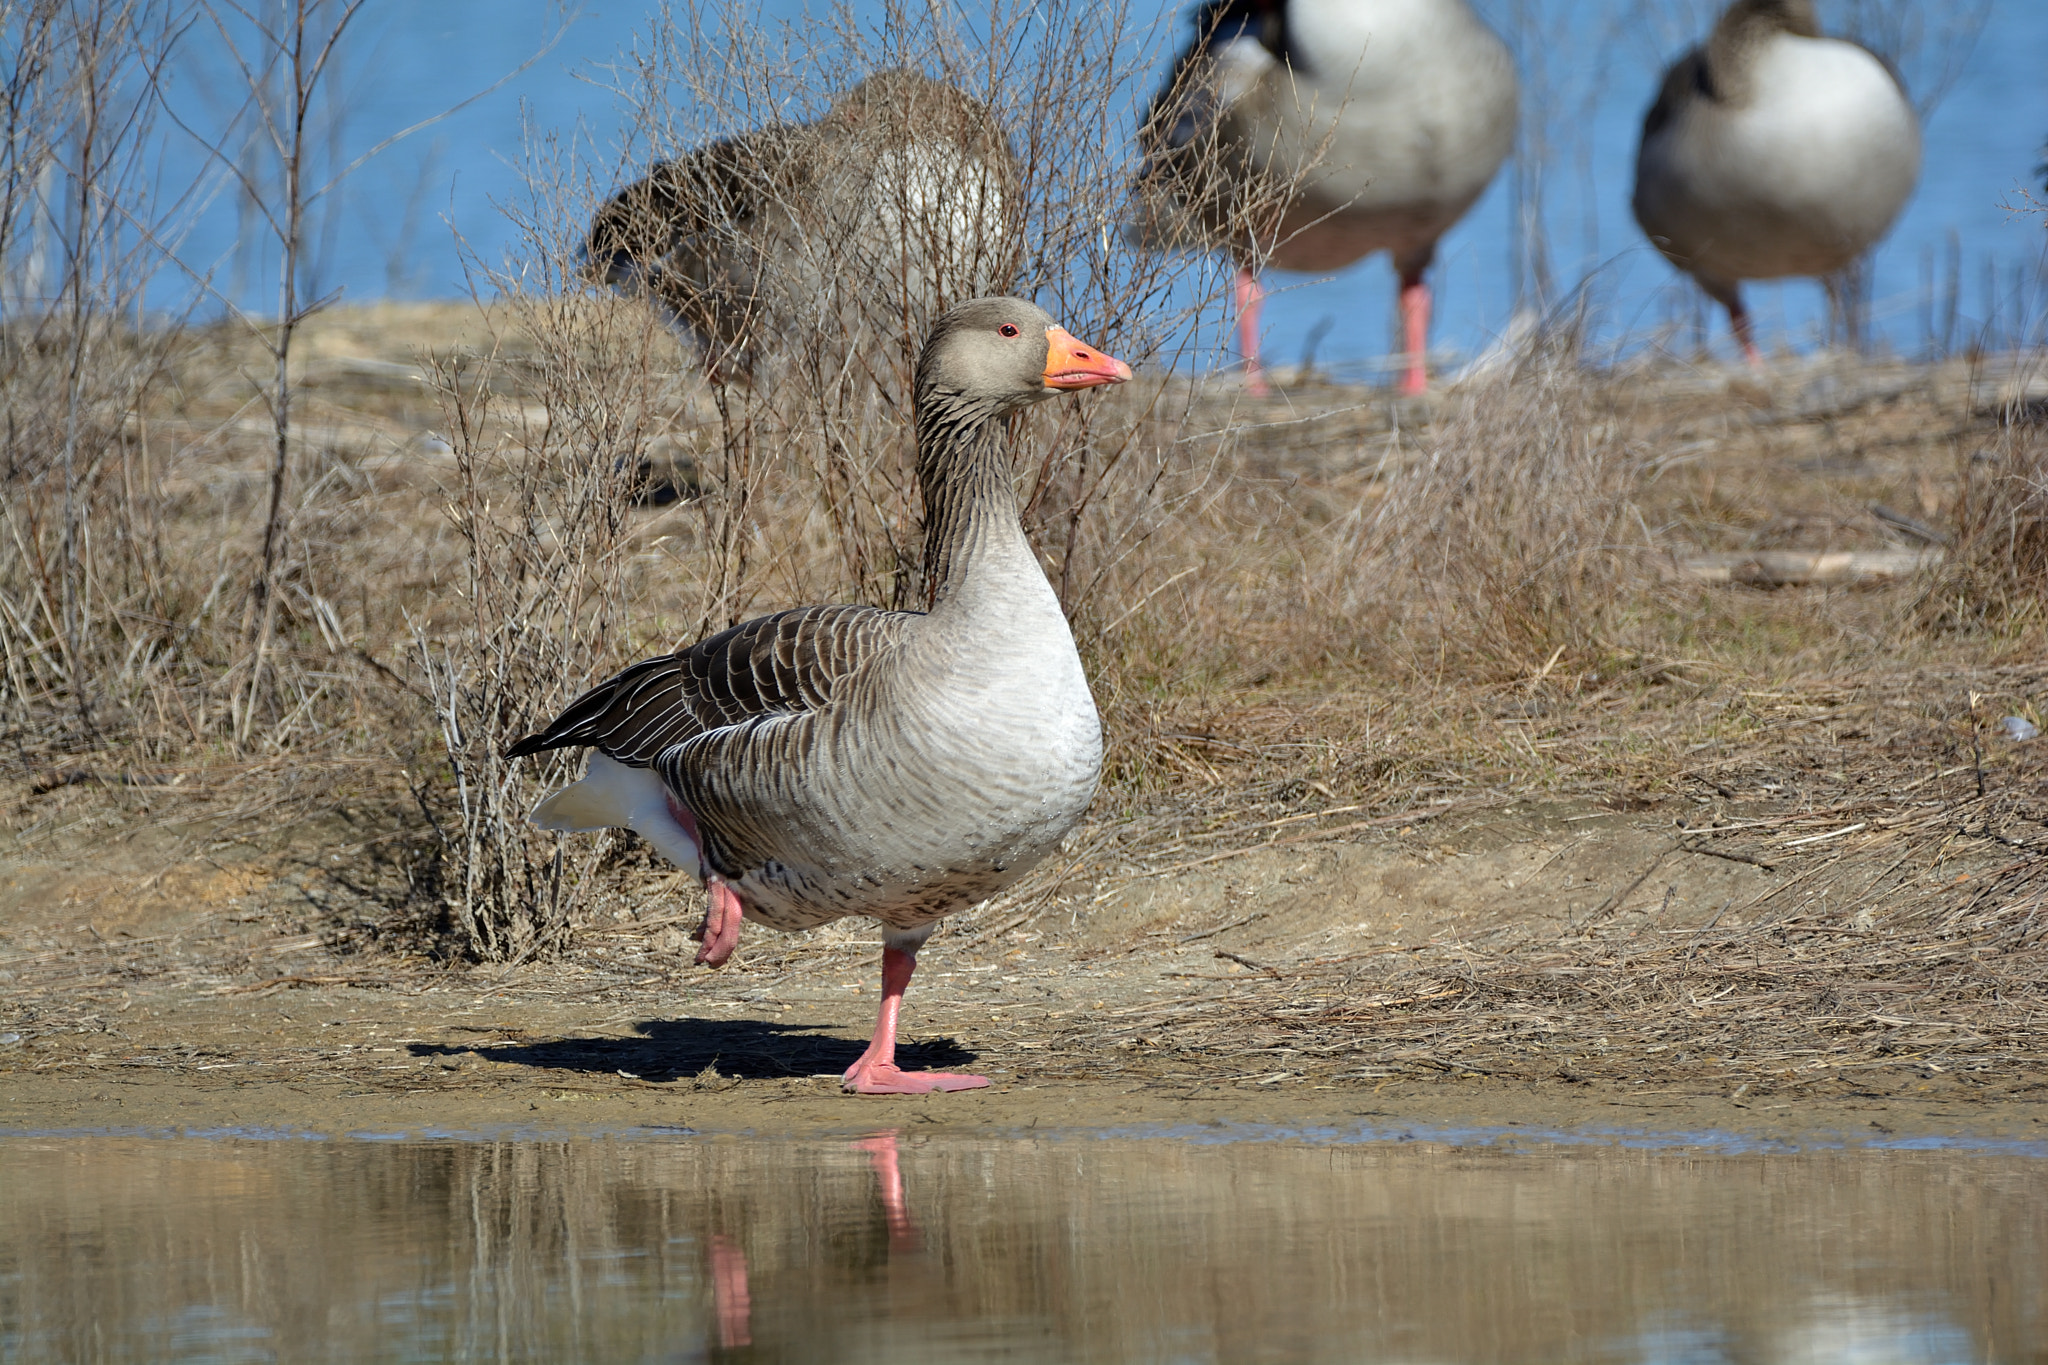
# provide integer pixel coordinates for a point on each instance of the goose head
(988, 358)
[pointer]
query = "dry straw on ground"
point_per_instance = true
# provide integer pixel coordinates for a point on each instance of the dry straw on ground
(1905, 929)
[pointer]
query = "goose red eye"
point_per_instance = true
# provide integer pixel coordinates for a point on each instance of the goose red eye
(1008, 329)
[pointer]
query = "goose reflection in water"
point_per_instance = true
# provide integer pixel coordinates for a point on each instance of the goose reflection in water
(732, 1298)
(881, 1150)
(1840, 1328)
(734, 1305)
(663, 1247)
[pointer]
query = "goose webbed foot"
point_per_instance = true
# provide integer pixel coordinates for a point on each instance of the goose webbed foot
(886, 1078)
(719, 934)
(876, 1073)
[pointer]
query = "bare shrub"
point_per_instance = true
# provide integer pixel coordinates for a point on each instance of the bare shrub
(283, 62)
(81, 588)
(824, 435)
(145, 600)
(1996, 572)
(540, 502)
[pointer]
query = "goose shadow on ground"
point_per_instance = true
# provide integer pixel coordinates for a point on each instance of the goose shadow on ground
(680, 1049)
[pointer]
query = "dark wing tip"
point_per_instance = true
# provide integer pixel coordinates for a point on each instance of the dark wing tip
(532, 744)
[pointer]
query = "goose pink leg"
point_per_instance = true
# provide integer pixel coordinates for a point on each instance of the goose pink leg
(1415, 333)
(876, 1073)
(719, 934)
(1728, 293)
(1738, 318)
(1250, 299)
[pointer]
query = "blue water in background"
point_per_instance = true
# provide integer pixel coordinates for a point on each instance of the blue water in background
(401, 225)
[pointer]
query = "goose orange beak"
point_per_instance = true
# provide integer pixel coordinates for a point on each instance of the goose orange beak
(1071, 365)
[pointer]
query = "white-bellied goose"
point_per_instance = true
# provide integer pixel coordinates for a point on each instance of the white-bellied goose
(895, 205)
(834, 761)
(1773, 151)
(1307, 134)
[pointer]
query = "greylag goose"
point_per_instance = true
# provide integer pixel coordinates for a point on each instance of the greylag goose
(893, 206)
(1772, 151)
(845, 760)
(1308, 134)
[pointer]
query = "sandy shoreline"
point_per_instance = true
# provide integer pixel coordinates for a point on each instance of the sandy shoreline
(807, 1108)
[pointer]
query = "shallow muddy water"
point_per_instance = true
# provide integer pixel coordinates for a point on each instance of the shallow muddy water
(1172, 1247)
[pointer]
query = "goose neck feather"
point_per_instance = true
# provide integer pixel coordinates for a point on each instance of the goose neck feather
(971, 517)
(1739, 39)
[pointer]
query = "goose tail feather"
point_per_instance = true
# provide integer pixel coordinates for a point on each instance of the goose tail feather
(589, 804)
(612, 795)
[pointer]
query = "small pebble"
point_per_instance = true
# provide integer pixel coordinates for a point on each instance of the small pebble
(9, 1039)
(2017, 728)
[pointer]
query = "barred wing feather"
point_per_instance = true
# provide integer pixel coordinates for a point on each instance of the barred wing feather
(783, 664)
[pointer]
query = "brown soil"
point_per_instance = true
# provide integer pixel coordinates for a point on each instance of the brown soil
(1460, 971)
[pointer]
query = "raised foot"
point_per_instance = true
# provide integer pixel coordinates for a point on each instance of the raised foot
(871, 1079)
(720, 932)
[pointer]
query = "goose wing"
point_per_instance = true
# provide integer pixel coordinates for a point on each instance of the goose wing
(1685, 80)
(783, 664)
(692, 205)
(1234, 43)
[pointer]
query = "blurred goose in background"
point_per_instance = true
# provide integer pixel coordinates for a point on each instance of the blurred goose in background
(1307, 134)
(834, 761)
(896, 204)
(1773, 151)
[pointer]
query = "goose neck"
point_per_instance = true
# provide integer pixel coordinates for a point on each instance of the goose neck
(972, 535)
(1739, 39)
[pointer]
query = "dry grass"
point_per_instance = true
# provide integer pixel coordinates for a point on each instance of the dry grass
(1997, 575)
(1905, 928)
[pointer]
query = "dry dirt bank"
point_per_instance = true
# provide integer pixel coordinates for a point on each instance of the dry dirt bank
(1545, 964)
